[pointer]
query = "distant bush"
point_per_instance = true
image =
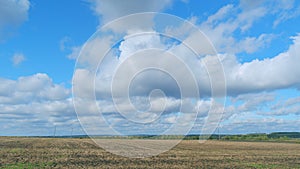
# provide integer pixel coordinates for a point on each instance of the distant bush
(282, 136)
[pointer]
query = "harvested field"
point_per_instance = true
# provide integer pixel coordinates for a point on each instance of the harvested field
(84, 153)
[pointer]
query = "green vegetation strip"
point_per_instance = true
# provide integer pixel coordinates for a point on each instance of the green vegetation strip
(28, 165)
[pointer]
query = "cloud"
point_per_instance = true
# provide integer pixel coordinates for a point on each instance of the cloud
(96, 72)
(108, 10)
(268, 74)
(38, 87)
(281, 10)
(222, 27)
(250, 104)
(12, 14)
(249, 123)
(75, 51)
(263, 75)
(65, 46)
(45, 114)
(261, 112)
(285, 10)
(33, 105)
(18, 58)
(229, 27)
(253, 44)
(290, 106)
(39, 118)
(242, 78)
(63, 42)
(252, 77)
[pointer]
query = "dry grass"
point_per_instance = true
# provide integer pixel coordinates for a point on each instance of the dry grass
(83, 153)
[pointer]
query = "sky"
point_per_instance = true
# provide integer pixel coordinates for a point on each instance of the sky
(52, 76)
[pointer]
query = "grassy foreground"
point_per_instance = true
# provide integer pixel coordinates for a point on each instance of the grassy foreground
(83, 153)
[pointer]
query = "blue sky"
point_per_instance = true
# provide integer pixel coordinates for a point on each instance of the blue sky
(258, 44)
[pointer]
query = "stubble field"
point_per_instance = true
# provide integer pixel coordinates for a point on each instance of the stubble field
(83, 153)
